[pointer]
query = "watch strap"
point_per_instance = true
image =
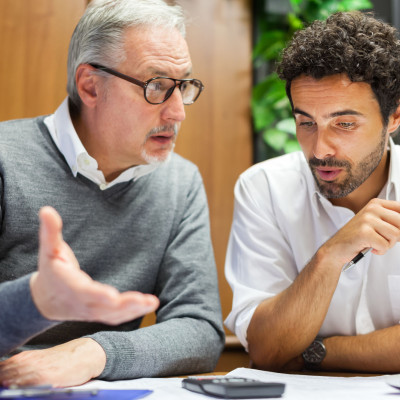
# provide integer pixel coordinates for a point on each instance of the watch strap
(314, 354)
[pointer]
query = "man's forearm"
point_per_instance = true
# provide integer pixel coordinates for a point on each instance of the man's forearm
(377, 352)
(19, 318)
(283, 326)
(179, 346)
(68, 364)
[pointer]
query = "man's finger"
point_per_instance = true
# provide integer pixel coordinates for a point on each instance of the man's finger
(148, 301)
(50, 232)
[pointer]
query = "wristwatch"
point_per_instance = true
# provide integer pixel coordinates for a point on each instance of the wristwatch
(314, 354)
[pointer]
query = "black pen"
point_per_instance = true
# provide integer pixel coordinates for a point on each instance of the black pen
(356, 259)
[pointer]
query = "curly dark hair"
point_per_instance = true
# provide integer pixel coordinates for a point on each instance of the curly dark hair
(353, 43)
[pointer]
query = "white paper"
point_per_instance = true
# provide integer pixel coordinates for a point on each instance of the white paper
(298, 387)
(310, 387)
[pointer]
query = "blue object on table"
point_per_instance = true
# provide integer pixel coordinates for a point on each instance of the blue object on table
(46, 393)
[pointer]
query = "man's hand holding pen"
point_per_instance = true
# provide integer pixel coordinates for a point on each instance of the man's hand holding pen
(375, 229)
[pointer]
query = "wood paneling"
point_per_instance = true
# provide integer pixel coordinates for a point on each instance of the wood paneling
(217, 132)
(34, 38)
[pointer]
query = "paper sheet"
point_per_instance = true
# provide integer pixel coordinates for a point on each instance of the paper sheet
(310, 387)
(298, 387)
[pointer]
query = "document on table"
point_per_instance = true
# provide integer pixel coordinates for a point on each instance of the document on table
(298, 387)
(310, 387)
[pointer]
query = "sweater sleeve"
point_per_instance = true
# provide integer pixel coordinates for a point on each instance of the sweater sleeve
(20, 320)
(188, 336)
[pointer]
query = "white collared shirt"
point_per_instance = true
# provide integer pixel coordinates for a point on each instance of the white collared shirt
(280, 221)
(67, 140)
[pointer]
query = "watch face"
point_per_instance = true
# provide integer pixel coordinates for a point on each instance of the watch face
(315, 353)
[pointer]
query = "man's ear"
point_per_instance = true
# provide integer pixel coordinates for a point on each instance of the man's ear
(394, 120)
(87, 84)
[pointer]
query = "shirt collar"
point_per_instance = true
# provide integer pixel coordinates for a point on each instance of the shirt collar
(68, 142)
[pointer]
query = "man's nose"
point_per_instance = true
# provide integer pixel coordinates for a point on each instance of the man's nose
(323, 146)
(174, 109)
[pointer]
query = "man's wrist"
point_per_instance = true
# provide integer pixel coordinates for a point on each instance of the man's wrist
(95, 355)
(314, 354)
(325, 259)
(36, 294)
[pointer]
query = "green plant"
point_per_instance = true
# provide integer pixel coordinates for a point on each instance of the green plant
(272, 115)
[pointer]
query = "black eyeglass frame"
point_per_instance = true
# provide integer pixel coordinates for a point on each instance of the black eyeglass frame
(177, 82)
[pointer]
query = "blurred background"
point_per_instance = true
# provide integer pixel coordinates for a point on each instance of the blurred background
(241, 118)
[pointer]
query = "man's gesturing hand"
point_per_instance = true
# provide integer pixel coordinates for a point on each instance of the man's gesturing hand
(62, 291)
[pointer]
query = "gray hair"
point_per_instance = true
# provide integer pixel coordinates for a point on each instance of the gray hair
(99, 36)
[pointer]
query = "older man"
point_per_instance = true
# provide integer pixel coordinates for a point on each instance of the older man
(134, 214)
(301, 219)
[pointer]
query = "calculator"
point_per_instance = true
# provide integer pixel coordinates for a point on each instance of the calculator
(233, 388)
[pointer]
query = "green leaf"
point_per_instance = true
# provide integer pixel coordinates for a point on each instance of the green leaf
(295, 22)
(269, 102)
(291, 145)
(270, 44)
(275, 138)
(296, 5)
(269, 91)
(262, 116)
(356, 5)
(277, 92)
(260, 90)
(282, 104)
(329, 7)
(317, 9)
(287, 125)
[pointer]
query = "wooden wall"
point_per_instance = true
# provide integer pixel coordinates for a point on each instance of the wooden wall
(34, 37)
(217, 133)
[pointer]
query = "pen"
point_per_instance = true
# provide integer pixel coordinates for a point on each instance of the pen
(356, 259)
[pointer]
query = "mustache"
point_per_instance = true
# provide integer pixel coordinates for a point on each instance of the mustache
(163, 128)
(328, 162)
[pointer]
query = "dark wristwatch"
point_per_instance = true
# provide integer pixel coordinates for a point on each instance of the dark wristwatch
(314, 355)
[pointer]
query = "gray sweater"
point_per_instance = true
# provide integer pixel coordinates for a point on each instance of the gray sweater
(150, 235)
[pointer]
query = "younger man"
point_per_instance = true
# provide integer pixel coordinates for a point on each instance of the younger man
(301, 217)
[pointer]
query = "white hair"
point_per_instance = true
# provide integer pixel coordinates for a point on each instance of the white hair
(99, 36)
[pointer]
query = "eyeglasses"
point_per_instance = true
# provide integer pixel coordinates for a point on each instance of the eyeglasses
(159, 89)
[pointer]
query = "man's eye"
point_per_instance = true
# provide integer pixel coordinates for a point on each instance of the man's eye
(155, 86)
(307, 124)
(346, 125)
(159, 85)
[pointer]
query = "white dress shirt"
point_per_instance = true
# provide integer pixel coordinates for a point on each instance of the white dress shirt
(67, 140)
(280, 221)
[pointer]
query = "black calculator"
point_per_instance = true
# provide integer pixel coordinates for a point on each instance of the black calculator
(233, 388)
